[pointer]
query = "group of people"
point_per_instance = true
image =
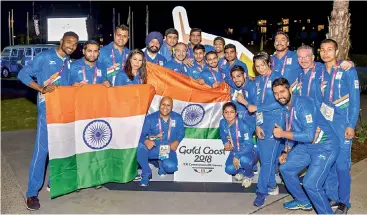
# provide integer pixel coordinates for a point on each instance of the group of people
(302, 112)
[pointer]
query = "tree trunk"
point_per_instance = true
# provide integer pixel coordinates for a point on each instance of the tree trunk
(339, 27)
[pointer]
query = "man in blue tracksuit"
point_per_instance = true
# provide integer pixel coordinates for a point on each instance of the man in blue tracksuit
(195, 39)
(268, 113)
(50, 69)
(161, 134)
(219, 44)
(176, 64)
(231, 60)
(317, 149)
(87, 70)
(285, 61)
(153, 42)
(169, 42)
(236, 135)
(212, 74)
(113, 56)
(340, 105)
(199, 63)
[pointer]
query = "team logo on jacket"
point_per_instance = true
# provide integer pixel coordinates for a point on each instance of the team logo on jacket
(97, 134)
(193, 114)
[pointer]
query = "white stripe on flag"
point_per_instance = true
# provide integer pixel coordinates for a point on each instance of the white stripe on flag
(66, 139)
(212, 116)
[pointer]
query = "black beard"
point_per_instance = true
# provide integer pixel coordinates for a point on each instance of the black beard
(153, 51)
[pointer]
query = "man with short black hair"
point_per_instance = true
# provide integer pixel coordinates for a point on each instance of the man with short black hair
(317, 149)
(113, 56)
(231, 60)
(87, 70)
(340, 106)
(170, 41)
(50, 68)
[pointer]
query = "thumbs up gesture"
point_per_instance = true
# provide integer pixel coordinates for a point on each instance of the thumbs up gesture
(277, 131)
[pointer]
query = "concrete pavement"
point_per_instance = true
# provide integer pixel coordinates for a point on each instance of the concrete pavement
(17, 147)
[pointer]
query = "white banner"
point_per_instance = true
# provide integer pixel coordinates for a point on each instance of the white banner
(201, 161)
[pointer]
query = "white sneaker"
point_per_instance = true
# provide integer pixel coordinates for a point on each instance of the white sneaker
(238, 177)
(151, 166)
(48, 188)
(247, 182)
(273, 191)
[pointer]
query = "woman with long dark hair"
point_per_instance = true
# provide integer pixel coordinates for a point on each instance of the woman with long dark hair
(134, 71)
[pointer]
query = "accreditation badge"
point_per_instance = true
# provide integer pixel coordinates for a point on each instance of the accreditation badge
(164, 152)
(41, 97)
(327, 112)
(259, 118)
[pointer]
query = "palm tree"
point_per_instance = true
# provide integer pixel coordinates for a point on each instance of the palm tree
(339, 27)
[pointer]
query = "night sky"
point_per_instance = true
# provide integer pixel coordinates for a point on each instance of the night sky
(211, 17)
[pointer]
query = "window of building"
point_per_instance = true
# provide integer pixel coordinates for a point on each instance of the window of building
(308, 20)
(286, 28)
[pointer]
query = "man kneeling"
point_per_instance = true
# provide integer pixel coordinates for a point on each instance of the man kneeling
(237, 138)
(317, 149)
(161, 134)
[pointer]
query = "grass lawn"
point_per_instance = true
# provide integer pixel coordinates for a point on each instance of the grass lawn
(18, 114)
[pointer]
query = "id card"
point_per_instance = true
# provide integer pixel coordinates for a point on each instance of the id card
(235, 94)
(164, 152)
(41, 97)
(268, 85)
(259, 118)
(327, 112)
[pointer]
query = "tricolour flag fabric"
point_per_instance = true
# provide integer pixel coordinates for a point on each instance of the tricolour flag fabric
(93, 134)
(199, 105)
(201, 157)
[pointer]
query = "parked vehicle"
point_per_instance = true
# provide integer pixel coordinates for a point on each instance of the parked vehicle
(13, 58)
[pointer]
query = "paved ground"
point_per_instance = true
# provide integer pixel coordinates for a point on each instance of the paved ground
(18, 147)
(17, 150)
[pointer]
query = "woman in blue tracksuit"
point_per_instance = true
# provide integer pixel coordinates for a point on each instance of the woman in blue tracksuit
(237, 138)
(134, 71)
(268, 113)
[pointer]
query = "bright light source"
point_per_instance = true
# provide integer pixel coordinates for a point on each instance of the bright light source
(56, 27)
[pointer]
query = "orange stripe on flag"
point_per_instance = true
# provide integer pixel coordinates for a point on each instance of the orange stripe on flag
(68, 104)
(170, 83)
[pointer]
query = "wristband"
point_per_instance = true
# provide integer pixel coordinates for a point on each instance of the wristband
(284, 152)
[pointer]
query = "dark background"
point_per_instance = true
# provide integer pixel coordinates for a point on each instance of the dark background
(211, 17)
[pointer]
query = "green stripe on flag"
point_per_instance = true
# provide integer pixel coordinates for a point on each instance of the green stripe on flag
(92, 169)
(202, 133)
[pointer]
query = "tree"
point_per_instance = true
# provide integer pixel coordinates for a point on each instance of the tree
(339, 27)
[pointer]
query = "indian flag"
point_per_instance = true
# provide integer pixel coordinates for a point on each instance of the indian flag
(201, 110)
(93, 134)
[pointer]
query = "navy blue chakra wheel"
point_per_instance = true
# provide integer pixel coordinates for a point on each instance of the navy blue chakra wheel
(97, 134)
(193, 114)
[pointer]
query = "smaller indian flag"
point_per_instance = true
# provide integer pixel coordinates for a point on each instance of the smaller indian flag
(93, 134)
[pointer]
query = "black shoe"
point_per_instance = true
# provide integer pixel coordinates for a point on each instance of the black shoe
(33, 203)
(333, 204)
(342, 209)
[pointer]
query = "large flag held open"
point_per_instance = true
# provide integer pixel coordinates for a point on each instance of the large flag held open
(93, 133)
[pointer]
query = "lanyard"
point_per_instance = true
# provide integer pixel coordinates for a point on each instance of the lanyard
(94, 76)
(237, 140)
(283, 68)
(273, 64)
(123, 58)
(140, 81)
(332, 83)
(309, 82)
(58, 73)
(211, 71)
(266, 82)
(289, 122)
(160, 129)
